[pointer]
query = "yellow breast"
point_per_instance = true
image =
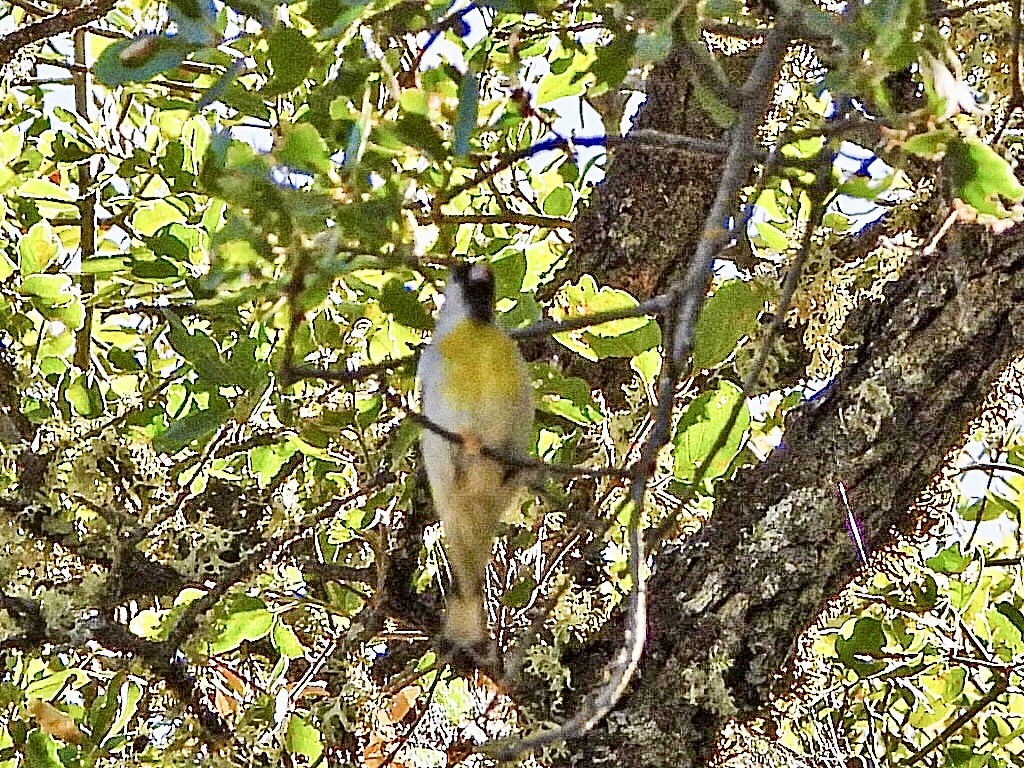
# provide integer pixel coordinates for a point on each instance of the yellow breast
(481, 364)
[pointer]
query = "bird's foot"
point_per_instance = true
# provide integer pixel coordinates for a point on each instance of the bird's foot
(471, 443)
(465, 659)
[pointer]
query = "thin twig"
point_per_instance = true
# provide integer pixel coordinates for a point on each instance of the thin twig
(511, 217)
(948, 12)
(999, 687)
(653, 307)
(415, 723)
(756, 93)
(51, 26)
(35, 10)
(294, 373)
(992, 467)
(665, 140)
(517, 461)
(189, 619)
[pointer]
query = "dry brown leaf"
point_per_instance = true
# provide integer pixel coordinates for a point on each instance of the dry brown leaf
(54, 722)
(402, 702)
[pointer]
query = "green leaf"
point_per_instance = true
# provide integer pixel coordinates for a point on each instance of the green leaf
(404, 306)
(964, 756)
(647, 365)
(46, 188)
(322, 13)
(614, 59)
(154, 215)
(41, 750)
(141, 59)
(303, 739)
(931, 144)
(154, 269)
(104, 709)
(292, 56)
(129, 695)
(727, 317)
(455, 699)
(84, 395)
(558, 202)
(771, 237)
(303, 148)
(7, 267)
(266, 460)
(195, 426)
(51, 288)
(866, 187)
(509, 273)
(618, 338)
(202, 353)
(519, 594)
(242, 619)
(105, 265)
(949, 560)
(919, 595)
(566, 396)
(982, 178)
(286, 641)
(569, 79)
(991, 507)
(859, 648)
(627, 344)
(1013, 615)
(37, 248)
(175, 241)
(47, 686)
(700, 429)
(417, 131)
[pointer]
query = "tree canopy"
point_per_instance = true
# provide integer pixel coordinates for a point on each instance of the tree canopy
(762, 259)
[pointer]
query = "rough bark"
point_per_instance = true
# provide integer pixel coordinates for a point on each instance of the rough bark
(729, 604)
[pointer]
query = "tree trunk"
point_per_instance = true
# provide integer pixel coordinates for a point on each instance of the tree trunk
(728, 605)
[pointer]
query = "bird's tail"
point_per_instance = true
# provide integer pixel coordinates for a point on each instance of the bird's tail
(465, 625)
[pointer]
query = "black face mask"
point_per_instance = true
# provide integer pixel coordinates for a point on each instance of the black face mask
(477, 283)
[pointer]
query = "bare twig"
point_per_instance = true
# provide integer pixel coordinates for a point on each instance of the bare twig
(999, 687)
(655, 306)
(513, 460)
(415, 723)
(512, 217)
(949, 12)
(756, 94)
(190, 618)
(51, 26)
(35, 10)
(992, 467)
(358, 373)
(665, 140)
(86, 211)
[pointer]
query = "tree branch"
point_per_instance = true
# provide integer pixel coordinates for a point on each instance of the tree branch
(51, 26)
(729, 603)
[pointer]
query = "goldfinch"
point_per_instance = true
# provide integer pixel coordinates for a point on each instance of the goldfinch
(473, 383)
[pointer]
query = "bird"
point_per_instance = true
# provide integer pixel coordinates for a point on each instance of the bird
(474, 386)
